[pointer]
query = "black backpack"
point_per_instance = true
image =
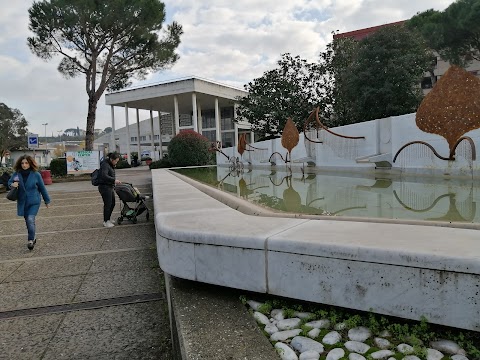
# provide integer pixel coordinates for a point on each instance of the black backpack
(95, 177)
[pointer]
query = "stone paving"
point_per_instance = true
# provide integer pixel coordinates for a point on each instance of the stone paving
(111, 276)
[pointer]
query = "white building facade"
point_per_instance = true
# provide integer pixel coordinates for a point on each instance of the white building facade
(192, 103)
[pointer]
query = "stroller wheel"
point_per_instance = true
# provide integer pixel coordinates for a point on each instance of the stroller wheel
(134, 220)
(120, 220)
(147, 216)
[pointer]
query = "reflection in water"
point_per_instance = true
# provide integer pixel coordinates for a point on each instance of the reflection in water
(291, 198)
(346, 195)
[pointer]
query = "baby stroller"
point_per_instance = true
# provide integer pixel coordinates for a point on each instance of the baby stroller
(129, 194)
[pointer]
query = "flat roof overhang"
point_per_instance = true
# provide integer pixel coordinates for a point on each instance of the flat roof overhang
(160, 97)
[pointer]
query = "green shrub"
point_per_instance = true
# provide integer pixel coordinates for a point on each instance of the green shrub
(189, 148)
(58, 167)
(163, 163)
(123, 164)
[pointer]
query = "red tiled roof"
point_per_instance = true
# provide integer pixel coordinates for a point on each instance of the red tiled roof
(362, 33)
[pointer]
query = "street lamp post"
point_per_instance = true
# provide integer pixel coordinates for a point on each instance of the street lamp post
(45, 135)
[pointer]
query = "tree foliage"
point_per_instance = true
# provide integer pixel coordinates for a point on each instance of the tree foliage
(13, 130)
(453, 33)
(189, 148)
(383, 76)
(337, 61)
(293, 89)
(109, 42)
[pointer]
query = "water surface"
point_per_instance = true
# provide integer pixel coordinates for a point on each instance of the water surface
(426, 199)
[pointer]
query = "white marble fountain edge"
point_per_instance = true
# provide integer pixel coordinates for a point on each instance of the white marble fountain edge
(394, 269)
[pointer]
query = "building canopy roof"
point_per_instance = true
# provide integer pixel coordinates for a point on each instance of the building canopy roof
(160, 97)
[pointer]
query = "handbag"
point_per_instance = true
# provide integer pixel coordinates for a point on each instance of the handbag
(13, 194)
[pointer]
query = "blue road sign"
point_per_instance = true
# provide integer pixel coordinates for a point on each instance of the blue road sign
(33, 141)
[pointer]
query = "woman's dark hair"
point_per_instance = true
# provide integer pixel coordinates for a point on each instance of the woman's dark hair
(113, 156)
(31, 161)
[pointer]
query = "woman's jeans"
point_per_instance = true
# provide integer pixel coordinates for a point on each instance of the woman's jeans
(30, 221)
(108, 197)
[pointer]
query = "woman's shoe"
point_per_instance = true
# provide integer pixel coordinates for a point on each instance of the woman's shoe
(31, 244)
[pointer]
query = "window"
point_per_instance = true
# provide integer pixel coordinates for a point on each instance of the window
(228, 139)
(133, 139)
(143, 138)
(208, 119)
(156, 137)
(226, 118)
(427, 82)
(211, 135)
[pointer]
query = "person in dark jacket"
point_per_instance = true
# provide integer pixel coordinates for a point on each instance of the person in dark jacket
(106, 184)
(30, 185)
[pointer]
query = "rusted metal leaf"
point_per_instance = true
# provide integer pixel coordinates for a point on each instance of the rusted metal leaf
(452, 108)
(290, 135)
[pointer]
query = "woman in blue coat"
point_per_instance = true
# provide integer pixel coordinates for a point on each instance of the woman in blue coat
(30, 185)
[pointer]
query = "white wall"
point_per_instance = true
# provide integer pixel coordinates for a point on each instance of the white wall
(383, 138)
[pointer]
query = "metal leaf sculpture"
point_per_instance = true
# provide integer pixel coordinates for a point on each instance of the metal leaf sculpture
(315, 120)
(290, 135)
(450, 110)
(242, 143)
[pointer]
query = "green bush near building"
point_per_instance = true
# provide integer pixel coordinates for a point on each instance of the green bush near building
(58, 167)
(189, 148)
(159, 164)
(123, 164)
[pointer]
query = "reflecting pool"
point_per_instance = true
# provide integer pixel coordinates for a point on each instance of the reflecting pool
(427, 199)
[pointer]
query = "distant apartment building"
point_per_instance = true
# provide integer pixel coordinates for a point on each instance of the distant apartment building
(440, 66)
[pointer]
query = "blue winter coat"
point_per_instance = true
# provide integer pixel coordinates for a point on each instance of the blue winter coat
(29, 192)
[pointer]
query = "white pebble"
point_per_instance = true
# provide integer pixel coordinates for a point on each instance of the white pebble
(332, 338)
(353, 356)
(313, 333)
(262, 319)
(277, 314)
(356, 347)
(255, 305)
(309, 355)
(433, 354)
(301, 344)
(381, 343)
(446, 346)
(405, 348)
(270, 329)
(284, 335)
(289, 324)
(319, 324)
(285, 352)
(360, 333)
(382, 354)
(335, 354)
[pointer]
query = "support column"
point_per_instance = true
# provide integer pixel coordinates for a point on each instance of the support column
(235, 140)
(194, 112)
(112, 137)
(176, 115)
(217, 121)
(139, 148)
(199, 118)
(160, 143)
(153, 152)
(128, 134)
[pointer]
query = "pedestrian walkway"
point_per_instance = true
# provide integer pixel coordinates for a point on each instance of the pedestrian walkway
(85, 291)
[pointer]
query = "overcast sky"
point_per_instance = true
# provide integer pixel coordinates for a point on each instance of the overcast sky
(231, 42)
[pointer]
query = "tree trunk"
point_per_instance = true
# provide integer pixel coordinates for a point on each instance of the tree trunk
(92, 108)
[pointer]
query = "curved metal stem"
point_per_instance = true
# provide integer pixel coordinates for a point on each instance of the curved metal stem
(472, 145)
(421, 143)
(318, 123)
